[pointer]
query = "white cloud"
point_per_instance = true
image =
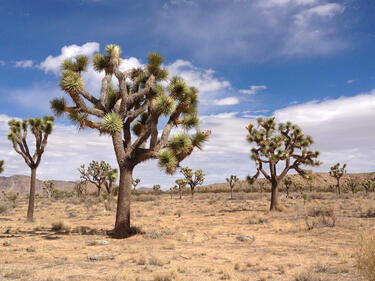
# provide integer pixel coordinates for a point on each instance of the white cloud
(53, 64)
(202, 79)
(342, 129)
(227, 101)
(2, 62)
(24, 64)
(255, 30)
(350, 81)
(253, 89)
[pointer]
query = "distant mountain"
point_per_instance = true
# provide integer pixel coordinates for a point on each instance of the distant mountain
(323, 180)
(21, 184)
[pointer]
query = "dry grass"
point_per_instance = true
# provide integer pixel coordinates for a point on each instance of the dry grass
(187, 240)
(366, 256)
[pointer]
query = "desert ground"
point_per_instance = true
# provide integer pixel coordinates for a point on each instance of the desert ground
(208, 238)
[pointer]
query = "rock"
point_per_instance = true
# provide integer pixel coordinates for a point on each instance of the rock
(97, 242)
(153, 235)
(101, 257)
(7, 243)
(245, 238)
(30, 249)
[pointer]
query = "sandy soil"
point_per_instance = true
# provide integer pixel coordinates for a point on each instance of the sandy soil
(210, 238)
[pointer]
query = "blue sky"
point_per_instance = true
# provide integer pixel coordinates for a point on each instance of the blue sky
(308, 61)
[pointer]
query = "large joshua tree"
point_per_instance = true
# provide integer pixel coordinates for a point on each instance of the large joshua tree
(338, 173)
(273, 144)
(41, 129)
(130, 112)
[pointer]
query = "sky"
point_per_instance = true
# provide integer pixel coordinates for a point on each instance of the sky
(311, 62)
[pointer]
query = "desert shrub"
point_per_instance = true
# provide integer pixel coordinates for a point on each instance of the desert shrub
(365, 257)
(11, 197)
(144, 198)
(308, 275)
(370, 213)
(320, 217)
(165, 276)
(58, 226)
(4, 208)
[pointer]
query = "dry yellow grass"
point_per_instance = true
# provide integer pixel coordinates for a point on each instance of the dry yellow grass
(210, 238)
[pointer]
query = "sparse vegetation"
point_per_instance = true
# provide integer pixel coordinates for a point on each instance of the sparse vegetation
(366, 256)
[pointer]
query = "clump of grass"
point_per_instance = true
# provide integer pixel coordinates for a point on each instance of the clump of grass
(365, 257)
(169, 276)
(155, 261)
(58, 226)
(307, 276)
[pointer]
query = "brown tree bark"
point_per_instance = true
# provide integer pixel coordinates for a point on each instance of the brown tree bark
(30, 209)
(122, 224)
(274, 196)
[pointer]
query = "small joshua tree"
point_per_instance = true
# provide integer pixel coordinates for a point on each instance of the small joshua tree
(172, 190)
(156, 188)
(135, 183)
(352, 185)
(337, 173)
(80, 189)
(96, 173)
(41, 129)
(193, 179)
(232, 181)
(130, 111)
(288, 182)
(112, 175)
(273, 145)
(49, 187)
(181, 185)
(11, 197)
(1, 166)
(368, 185)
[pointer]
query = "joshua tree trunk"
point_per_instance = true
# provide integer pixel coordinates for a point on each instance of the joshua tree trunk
(231, 193)
(287, 192)
(338, 187)
(180, 193)
(122, 225)
(274, 196)
(30, 209)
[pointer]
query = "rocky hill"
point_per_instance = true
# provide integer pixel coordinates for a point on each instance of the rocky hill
(21, 184)
(320, 180)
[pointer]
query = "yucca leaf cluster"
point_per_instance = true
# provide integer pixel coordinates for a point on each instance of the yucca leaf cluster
(232, 180)
(336, 171)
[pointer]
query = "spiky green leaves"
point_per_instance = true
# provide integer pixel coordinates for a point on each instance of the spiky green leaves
(337, 171)
(78, 118)
(58, 106)
(164, 104)
(77, 65)
(112, 98)
(100, 62)
(112, 123)
(1, 166)
(71, 82)
(167, 160)
(113, 50)
(199, 138)
(180, 143)
(155, 61)
(190, 121)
